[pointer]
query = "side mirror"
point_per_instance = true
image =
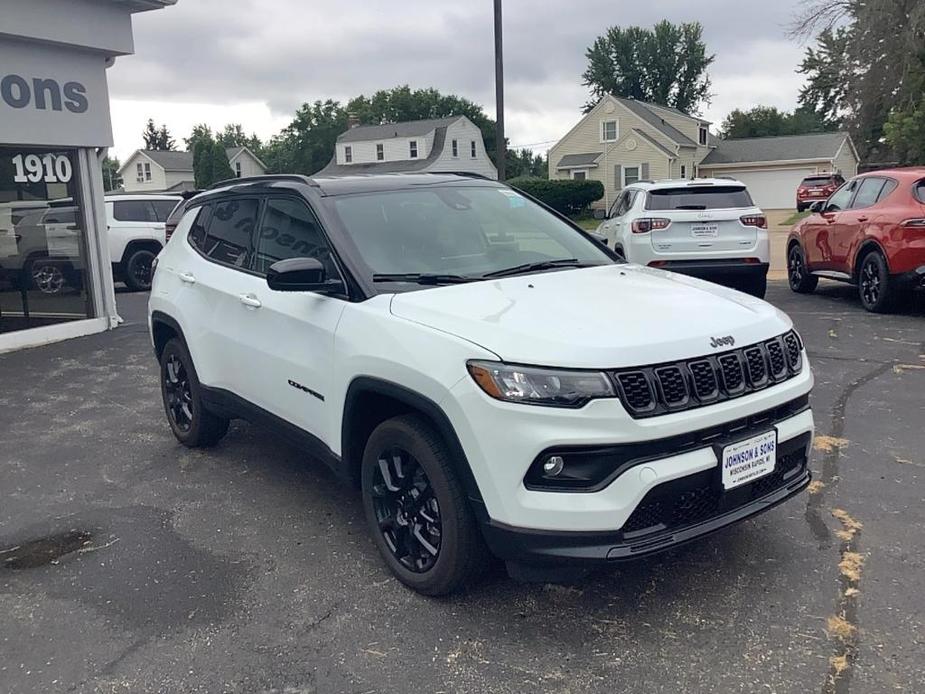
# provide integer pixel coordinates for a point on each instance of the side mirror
(818, 206)
(301, 275)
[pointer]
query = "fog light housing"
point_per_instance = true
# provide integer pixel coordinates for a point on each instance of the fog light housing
(553, 466)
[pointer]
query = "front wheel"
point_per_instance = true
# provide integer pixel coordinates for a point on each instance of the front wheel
(874, 287)
(417, 510)
(48, 276)
(798, 275)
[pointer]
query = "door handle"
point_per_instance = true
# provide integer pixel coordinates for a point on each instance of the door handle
(187, 277)
(250, 300)
(862, 219)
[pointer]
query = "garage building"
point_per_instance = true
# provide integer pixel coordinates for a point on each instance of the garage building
(55, 275)
(772, 167)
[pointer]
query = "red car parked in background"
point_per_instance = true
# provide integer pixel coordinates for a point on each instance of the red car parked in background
(817, 187)
(870, 232)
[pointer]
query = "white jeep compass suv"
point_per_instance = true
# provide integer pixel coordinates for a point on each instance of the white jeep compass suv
(439, 339)
(136, 224)
(706, 227)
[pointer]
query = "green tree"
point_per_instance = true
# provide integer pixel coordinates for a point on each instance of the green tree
(234, 136)
(111, 178)
(665, 65)
(157, 138)
(862, 68)
(202, 163)
(524, 163)
(220, 167)
(201, 132)
(904, 130)
(306, 145)
(764, 121)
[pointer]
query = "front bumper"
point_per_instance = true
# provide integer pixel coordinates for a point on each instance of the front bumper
(671, 514)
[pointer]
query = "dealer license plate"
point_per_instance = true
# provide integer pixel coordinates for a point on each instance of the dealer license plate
(746, 461)
(704, 231)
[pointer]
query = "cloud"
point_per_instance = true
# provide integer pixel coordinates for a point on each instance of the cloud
(255, 62)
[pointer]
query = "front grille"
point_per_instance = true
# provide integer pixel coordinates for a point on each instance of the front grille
(636, 391)
(683, 502)
(662, 388)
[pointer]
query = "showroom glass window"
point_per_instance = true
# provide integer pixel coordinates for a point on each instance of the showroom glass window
(42, 239)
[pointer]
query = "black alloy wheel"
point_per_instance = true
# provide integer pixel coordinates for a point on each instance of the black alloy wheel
(407, 510)
(874, 289)
(178, 394)
(416, 508)
(190, 421)
(798, 276)
(138, 270)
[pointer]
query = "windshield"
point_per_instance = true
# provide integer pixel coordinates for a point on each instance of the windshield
(706, 198)
(463, 231)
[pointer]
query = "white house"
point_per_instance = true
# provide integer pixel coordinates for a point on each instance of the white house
(621, 141)
(154, 171)
(440, 144)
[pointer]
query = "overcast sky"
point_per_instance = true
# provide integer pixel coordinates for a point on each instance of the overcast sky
(255, 61)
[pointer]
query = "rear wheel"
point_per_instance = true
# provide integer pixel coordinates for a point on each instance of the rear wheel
(875, 289)
(46, 275)
(138, 270)
(190, 421)
(801, 281)
(417, 510)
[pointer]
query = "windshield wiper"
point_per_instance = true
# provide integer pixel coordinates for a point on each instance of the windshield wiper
(423, 278)
(533, 267)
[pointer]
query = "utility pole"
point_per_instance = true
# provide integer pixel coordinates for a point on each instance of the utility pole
(500, 147)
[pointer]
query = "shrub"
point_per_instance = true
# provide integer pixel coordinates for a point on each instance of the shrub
(565, 196)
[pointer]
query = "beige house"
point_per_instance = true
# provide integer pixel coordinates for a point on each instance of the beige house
(153, 171)
(621, 141)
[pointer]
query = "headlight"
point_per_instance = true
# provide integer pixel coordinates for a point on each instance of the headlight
(537, 386)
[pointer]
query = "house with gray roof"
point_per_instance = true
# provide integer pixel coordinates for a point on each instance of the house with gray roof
(440, 144)
(154, 171)
(621, 141)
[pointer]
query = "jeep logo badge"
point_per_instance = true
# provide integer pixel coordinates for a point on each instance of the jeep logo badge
(725, 341)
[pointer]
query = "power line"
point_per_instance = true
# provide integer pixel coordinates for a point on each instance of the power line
(532, 144)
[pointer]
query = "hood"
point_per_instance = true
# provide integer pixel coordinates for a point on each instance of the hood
(603, 317)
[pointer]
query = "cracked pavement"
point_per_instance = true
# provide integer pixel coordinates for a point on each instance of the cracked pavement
(247, 567)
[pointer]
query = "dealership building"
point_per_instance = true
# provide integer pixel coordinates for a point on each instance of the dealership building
(55, 128)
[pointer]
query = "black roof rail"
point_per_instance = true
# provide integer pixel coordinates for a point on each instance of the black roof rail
(466, 174)
(298, 178)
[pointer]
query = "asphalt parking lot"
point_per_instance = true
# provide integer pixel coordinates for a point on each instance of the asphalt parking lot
(248, 567)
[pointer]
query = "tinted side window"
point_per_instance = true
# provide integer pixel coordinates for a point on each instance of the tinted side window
(197, 233)
(619, 206)
(133, 211)
(888, 188)
(162, 209)
(868, 192)
(229, 235)
(841, 197)
(289, 230)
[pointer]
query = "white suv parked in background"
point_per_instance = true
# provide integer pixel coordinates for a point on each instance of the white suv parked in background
(709, 228)
(136, 234)
(438, 340)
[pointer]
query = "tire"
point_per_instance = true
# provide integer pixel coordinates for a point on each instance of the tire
(192, 424)
(875, 289)
(801, 207)
(137, 270)
(46, 275)
(417, 510)
(756, 285)
(797, 274)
